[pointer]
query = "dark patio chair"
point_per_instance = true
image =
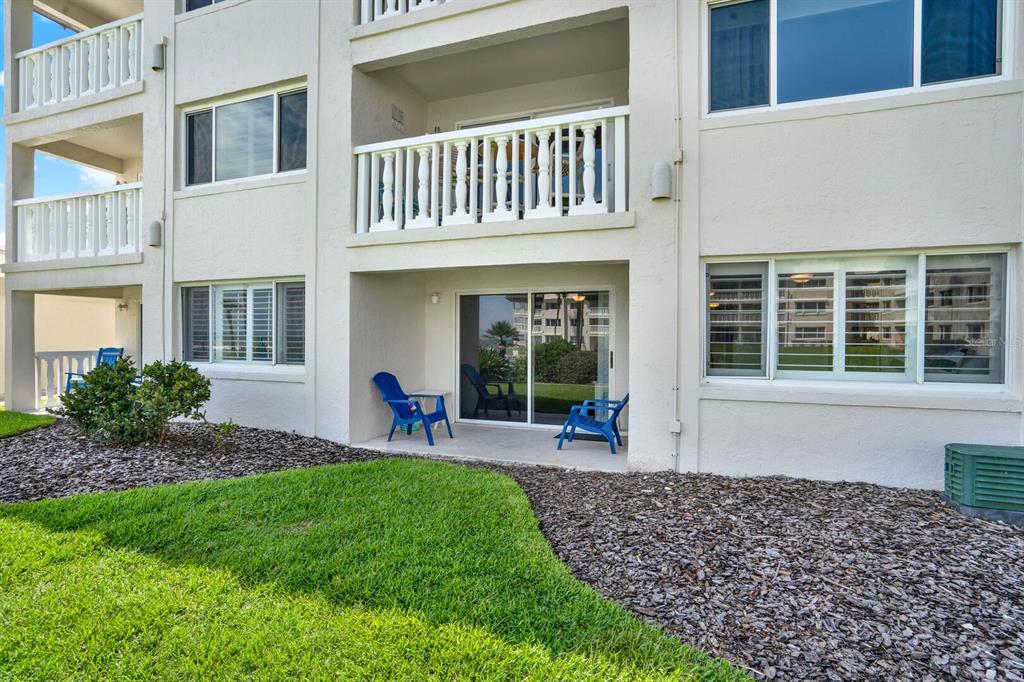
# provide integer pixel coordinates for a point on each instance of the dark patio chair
(486, 399)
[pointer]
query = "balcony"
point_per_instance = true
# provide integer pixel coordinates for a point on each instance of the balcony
(80, 225)
(98, 60)
(553, 167)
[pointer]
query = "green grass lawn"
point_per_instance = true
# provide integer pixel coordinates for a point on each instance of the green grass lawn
(392, 569)
(13, 423)
(557, 398)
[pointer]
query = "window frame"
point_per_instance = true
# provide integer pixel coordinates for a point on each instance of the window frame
(1005, 24)
(914, 376)
(214, 332)
(212, 106)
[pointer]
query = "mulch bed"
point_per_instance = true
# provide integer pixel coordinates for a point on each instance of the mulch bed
(789, 578)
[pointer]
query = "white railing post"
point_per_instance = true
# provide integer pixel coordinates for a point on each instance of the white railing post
(620, 164)
(362, 192)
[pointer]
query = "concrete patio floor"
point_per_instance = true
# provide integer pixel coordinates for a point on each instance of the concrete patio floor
(506, 444)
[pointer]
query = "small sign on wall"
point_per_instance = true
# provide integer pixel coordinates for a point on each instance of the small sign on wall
(397, 118)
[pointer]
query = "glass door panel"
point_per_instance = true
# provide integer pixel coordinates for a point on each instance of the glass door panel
(493, 360)
(571, 352)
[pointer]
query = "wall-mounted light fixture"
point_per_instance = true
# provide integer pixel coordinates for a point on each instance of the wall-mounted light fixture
(157, 60)
(661, 181)
(435, 298)
(156, 233)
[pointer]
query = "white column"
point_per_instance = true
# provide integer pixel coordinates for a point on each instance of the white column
(19, 351)
(462, 214)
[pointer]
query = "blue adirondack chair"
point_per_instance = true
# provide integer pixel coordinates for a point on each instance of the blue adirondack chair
(105, 356)
(609, 428)
(407, 411)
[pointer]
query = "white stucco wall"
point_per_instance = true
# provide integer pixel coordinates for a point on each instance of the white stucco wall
(905, 172)
(908, 171)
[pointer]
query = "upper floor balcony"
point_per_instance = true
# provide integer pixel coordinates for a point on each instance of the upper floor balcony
(79, 225)
(77, 200)
(90, 59)
(549, 167)
(524, 136)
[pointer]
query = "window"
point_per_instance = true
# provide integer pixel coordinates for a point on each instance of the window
(859, 318)
(199, 133)
(198, 4)
(291, 323)
(736, 318)
(831, 48)
(247, 322)
(964, 335)
(254, 137)
(805, 320)
(292, 131)
(959, 39)
(739, 55)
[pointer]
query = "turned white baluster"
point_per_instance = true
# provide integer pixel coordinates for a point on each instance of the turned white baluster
(544, 207)
(589, 203)
(460, 177)
(461, 215)
(423, 217)
(387, 199)
(543, 170)
(589, 175)
(501, 170)
(423, 189)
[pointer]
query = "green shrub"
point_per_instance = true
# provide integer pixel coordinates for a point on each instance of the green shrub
(170, 390)
(546, 356)
(222, 434)
(112, 407)
(578, 367)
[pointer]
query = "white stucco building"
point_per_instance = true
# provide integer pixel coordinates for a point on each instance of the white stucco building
(791, 231)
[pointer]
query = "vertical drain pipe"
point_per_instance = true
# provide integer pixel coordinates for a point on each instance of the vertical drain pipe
(677, 207)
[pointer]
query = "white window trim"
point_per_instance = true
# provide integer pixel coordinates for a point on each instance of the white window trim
(215, 323)
(915, 384)
(1006, 24)
(212, 105)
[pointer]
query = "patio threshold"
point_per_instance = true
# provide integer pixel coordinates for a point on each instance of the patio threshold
(505, 444)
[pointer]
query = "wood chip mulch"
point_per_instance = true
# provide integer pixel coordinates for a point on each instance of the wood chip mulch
(792, 579)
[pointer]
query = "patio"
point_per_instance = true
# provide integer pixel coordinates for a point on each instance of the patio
(506, 444)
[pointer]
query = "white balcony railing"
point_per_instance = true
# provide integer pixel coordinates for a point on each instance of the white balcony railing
(80, 225)
(568, 165)
(372, 10)
(51, 373)
(97, 60)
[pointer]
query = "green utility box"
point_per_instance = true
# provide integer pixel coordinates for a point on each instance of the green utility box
(986, 481)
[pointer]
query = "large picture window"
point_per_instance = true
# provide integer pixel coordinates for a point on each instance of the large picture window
(831, 48)
(250, 138)
(934, 318)
(259, 322)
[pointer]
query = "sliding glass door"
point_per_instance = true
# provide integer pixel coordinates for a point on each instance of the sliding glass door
(529, 357)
